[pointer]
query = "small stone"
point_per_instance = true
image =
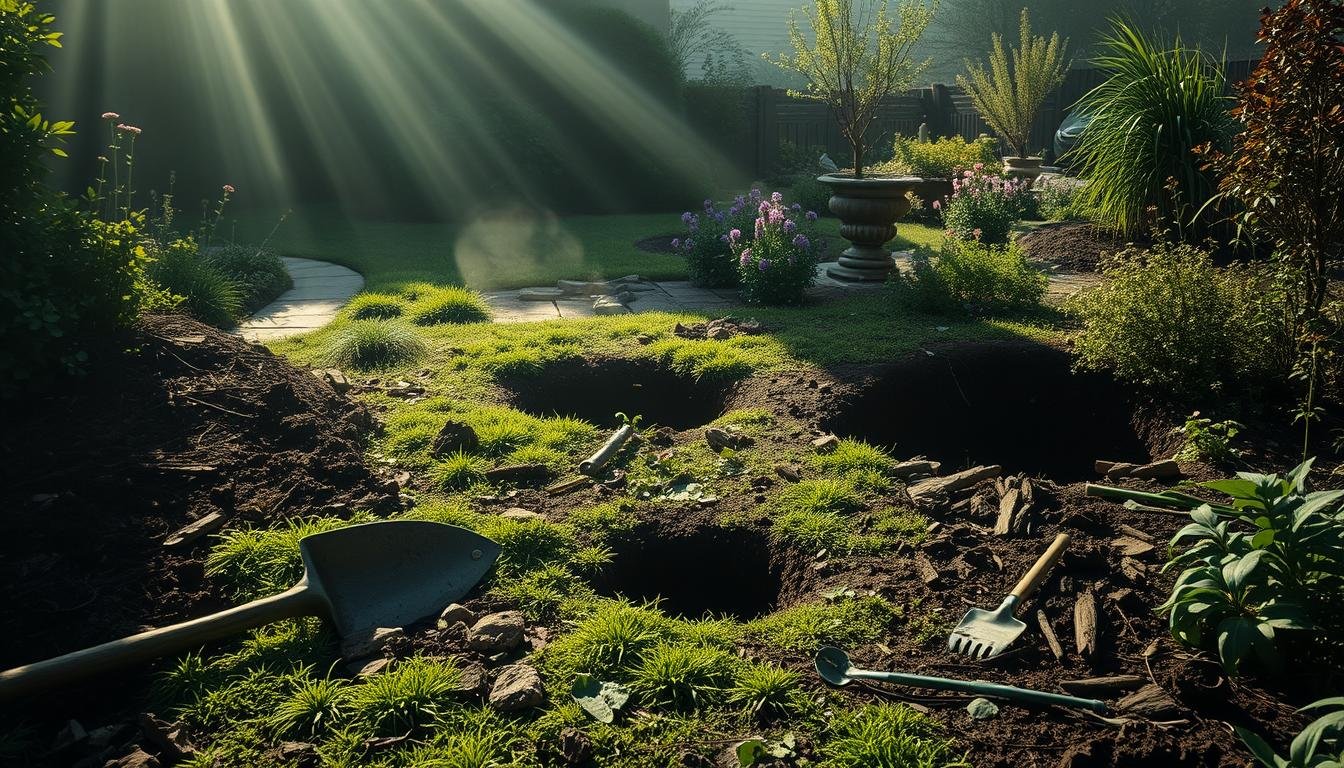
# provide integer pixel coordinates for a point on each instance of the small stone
(497, 632)
(982, 709)
(137, 759)
(521, 474)
(365, 644)
(518, 686)
(825, 443)
(518, 513)
(788, 473)
(170, 738)
(454, 613)
(644, 339)
(472, 680)
(454, 437)
(369, 669)
(334, 379)
(609, 305)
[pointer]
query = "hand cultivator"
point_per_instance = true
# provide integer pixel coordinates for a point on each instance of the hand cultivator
(984, 634)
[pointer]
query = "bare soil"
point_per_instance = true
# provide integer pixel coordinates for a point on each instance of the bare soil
(1077, 246)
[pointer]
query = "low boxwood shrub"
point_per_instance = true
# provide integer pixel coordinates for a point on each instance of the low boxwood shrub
(969, 277)
(1170, 320)
(450, 305)
(376, 306)
(939, 159)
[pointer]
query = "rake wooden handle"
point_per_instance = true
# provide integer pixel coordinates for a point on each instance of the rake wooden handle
(1033, 578)
(301, 600)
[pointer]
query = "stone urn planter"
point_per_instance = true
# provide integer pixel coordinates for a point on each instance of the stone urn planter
(929, 190)
(868, 209)
(1025, 168)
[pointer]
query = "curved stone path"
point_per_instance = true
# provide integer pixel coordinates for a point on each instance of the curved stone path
(320, 290)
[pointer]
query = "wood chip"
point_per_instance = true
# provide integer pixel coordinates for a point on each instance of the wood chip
(1149, 701)
(1051, 639)
(927, 572)
(1007, 507)
(909, 470)
(189, 533)
(1133, 570)
(1085, 628)
(1093, 687)
(1028, 491)
(1132, 547)
(1130, 530)
(953, 483)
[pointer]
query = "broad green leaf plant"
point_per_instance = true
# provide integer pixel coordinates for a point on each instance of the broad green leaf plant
(1010, 93)
(1319, 745)
(858, 53)
(1257, 567)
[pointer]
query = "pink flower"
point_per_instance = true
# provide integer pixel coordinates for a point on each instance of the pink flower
(977, 232)
(228, 189)
(978, 167)
(937, 205)
(111, 116)
(131, 129)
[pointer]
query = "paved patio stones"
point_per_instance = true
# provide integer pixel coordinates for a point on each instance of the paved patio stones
(320, 290)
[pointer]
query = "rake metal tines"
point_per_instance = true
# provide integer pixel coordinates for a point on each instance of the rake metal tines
(985, 634)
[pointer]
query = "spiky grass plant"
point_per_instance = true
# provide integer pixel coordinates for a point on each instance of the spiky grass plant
(887, 736)
(207, 293)
(313, 707)
(1010, 93)
(820, 495)
(804, 628)
(253, 562)
(1155, 107)
(683, 677)
(812, 531)
(376, 306)
(612, 637)
(458, 471)
(853, 455)
(410, 444)
(766, 690)
(410, 697)
(372, 344)
(450, 305)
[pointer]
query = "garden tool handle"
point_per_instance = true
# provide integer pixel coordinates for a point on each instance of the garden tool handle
(982, 688)
(1033, 578)
(300, 600)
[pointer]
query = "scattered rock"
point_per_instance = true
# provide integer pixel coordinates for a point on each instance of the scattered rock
(496, 632)
(1132, 547)
(573, 747)
(190, 533)
(927, 572)
(825, 443)
(137, 759)
(611, 305)
(1149, 701)
(982, 709)
(70, 735)
(519, 474)
(334, 379)
(473, 679)
(518, 686)
(454, 613)
(720, 439)
(916, 469)
(721, 328)
(299, 753)
(788, 472)
(170, 738)
(454, 437)
(369, 642)
(518, 513)
(370, 668)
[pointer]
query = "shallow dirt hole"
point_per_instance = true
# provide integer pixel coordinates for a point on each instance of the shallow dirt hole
(703, 569)
(595, 390)
(1019, 405)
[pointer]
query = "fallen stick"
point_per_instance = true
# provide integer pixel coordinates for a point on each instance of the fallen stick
(1096, 687)
(1050, 638)
(594, 464)
(1085, 623)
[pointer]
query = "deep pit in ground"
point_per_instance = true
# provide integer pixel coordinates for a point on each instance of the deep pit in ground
(1016, 404)
(695, 569)
(596, 390)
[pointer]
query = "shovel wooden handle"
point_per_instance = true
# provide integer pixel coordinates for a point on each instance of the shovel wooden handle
(38, 676)
(1033, 578)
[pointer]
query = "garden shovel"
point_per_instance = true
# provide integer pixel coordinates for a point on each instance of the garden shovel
(983, 634)
(384, 574)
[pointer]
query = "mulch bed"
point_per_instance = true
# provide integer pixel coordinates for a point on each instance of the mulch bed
(1073, 245)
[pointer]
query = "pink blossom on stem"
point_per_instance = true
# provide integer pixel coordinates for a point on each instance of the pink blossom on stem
(228, 189)
(111, 116)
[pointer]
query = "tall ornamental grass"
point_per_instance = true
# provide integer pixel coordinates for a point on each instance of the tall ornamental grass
(1155, 107)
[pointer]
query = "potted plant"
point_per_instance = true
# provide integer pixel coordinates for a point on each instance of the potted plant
(859, 54)
(1011, 92)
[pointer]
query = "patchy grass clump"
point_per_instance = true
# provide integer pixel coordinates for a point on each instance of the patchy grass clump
(887, 736)
(683, 677)
(457, 472)
(253, 563)
(844, 622)
(449, 305)
(853, 456)
(376, 306)
(313, 707)
(372, 344)
(410, 697)
(767, 691)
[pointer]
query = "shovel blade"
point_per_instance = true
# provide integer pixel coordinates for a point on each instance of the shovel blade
(393, 572)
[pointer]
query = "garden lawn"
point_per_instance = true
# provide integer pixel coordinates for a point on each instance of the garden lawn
(511, 249)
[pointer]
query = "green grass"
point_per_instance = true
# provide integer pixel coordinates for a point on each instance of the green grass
(887, 736)
(366, 345)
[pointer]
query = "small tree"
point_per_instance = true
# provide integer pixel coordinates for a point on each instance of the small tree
(1011, 92)
(859, 55)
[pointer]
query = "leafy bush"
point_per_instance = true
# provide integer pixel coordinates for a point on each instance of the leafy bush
(1265, 563)
(1206, 439)
(257, 271)
(450, 304)
(984, 206)
(942, 158)
(1319, 745)
(969, 276)
(370, 344)
(1010, 94)
(376, 306)
(67, 282)
(1060, 200)
(707, 245)
(1157, 104)
(207, 294)
(1168, 319)
(777, 262)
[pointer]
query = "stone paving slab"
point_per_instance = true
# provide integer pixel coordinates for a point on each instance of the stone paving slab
(320, 290)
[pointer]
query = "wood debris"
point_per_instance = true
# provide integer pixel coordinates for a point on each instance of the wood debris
(1095, 687)
(1085, 624)
(1051, 639)
(1167, 469)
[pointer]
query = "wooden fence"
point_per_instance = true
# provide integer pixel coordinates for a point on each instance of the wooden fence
(776, 118)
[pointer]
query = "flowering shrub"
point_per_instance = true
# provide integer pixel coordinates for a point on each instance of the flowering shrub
(969, 277)
(983, 206)
(709, 256)
(777, 259)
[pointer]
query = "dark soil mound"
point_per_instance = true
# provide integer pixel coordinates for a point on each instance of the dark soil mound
(192, 421)
(1072, 245)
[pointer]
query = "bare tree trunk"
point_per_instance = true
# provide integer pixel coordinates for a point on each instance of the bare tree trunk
(857, 146)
